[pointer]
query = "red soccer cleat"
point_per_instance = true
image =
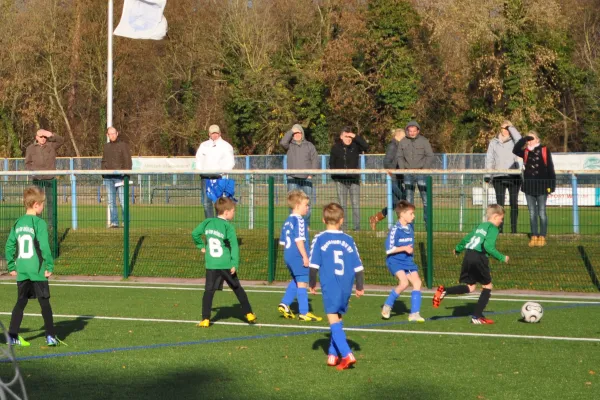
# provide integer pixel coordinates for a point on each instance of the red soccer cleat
(346, 362)
(481, 321)
(332, 360)
(438, 296)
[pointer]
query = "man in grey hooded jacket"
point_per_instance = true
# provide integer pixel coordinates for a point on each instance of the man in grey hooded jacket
(301, 155)
(500, 156)
(414, 152)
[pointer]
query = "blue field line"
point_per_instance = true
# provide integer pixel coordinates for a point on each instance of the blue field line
(255, 337)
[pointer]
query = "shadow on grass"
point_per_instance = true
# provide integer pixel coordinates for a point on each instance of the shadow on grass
(136, 253)
(296, 308)
(234, 311)
(464, 310)
(63, 328)
(589, 267)
(323, 344)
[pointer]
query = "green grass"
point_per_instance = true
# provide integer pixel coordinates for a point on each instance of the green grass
(250, 362)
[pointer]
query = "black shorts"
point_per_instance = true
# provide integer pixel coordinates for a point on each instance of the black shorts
(33, 289)
(216, 277)
(475, 269)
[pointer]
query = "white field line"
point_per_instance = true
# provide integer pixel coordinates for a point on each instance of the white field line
(464, 297)
(325, 328)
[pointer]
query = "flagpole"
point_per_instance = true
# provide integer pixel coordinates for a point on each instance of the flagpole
(109, 83)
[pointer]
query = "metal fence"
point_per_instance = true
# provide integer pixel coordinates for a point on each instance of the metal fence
(164, 208)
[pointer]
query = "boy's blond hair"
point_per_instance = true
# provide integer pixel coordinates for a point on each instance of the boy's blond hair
(224, 204)
(296, 197)
(535, 134)
(492, 210)
(403, 206)
(333, 214)
(398, 132)
(32, 195)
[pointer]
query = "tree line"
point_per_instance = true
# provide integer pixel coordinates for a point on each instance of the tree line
(459, 67)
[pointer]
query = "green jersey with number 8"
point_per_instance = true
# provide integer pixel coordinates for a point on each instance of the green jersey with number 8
(28, 250)
(221, 245)
(483, 240)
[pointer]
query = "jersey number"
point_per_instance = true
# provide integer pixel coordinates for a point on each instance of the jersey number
(473, 243)
(288, 241)
(336, 259)
(214, 246)
(25, 246)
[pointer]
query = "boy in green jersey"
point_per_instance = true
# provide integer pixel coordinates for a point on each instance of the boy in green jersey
(29, 259)
(222, 258)
(475, 267)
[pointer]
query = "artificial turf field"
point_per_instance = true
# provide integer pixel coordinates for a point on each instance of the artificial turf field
(139, 341)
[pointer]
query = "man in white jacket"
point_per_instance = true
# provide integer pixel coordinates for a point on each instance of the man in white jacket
(215, 154)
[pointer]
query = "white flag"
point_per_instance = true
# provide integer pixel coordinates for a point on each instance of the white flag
(143, 19)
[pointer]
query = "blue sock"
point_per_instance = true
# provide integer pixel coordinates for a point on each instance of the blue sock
(303, 301)
(339, 337)
(290, 293)
(333, 348)
(391, 298)
(415, 301)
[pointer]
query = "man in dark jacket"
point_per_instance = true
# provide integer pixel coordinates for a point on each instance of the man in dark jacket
(415, 152)
(301, 155)
(41, 156)
(345, 154)
(116, 156)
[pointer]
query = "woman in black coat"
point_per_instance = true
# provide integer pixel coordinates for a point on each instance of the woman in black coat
(539, 180)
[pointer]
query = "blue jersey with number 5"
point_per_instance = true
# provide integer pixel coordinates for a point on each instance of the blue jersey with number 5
(335, 255)
(293, 230)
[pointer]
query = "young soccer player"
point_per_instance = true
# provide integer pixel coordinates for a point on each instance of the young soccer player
(295, 253)
(335, 257)
(222, 258)
(30, 260)
(399, 247)
(475, 267)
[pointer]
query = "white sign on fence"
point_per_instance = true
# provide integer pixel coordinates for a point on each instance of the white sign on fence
(576, 162)
(162, 163)
(563, 196)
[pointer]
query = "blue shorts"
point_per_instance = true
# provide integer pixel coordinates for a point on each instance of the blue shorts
(298, 273)
(406, 268)
(335, 298)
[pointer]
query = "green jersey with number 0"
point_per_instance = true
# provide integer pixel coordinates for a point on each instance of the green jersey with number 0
(222, 250)
(28, 250)
(483, 240)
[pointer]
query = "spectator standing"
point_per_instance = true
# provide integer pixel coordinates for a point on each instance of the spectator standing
(414, 152)
(116, 156)
(41, 156)
(500, 156)
(539, 180)
(213, 154)
(390, 162)
(301, 155)
(345, 154)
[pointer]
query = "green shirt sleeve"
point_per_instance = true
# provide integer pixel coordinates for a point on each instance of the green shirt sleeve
(461, 246)
(489, 244)
(197, 235)
(10, 250)
(235, 248)
(42, 237)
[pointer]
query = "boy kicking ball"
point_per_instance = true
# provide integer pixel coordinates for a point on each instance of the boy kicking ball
(400, 261)
(335, 258)
(475, 267)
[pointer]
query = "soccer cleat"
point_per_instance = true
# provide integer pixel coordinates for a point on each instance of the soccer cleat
(251, 318)
(481, 321)
(439, 295)
(346, 362)
(415, 317)
(19, 341)
(332, 360)
(52, 341)
(205, 323)
(309, 317)
(285, 311)
(386, 311)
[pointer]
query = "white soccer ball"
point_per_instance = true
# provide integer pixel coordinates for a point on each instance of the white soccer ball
(532, 312)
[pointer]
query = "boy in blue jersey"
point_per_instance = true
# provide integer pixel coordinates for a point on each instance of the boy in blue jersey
(399, 247)
(295, 253)
(335, 257)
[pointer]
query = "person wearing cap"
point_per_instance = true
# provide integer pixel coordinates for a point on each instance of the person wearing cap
(214, 154)
(116, 156)
(414, 152)
(301, 155)
(41, 156)
(345, 154)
